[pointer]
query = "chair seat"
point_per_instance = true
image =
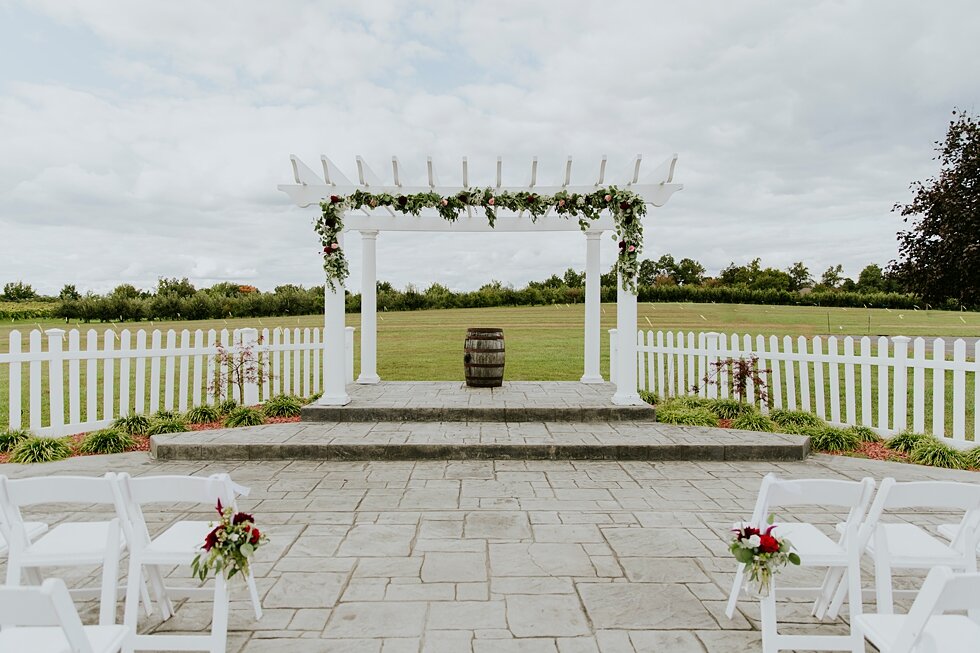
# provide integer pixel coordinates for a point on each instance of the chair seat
(951, 633)
(812, 545)
(949, 531)
(178, 544)
(33, 528)
(72, 543)
(910, 545)
(51, 639)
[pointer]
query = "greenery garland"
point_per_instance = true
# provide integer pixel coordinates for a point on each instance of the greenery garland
(625, 206)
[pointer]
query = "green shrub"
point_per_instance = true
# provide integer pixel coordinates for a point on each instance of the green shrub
(203, 414)
(135, 424)
(686, 416)
(244, 416)
(165, 413)
(107, 441)
(829, 438)
(729, 408)
(754, 422)
(931, 451)
(689, 401)
(905, 441)
(226, 406)
(865, 433)
(282, 406)
(648, 397)
(10, 439)
(972, 457)
(159, 426)
(794, 419)
(40, 450)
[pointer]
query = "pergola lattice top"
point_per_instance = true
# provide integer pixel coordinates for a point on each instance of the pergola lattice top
(310, 188)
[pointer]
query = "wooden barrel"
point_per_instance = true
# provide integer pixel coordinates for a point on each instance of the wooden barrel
(483, 358)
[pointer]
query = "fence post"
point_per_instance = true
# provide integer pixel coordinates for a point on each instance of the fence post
(250, 344)
(56, 388)
(349, 354)
(613, 351)
(900, 390)
(711, 348)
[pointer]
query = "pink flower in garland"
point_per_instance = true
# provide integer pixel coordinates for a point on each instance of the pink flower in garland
(490, 201)
(631, 248)
(334, 246)
(374, 203)
(445, 201)
(561, 202)
(608, 198)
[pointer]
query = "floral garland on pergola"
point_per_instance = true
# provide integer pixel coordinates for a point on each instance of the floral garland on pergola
(626, 207)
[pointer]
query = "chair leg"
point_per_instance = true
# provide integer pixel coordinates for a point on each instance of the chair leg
(110, 581)
(160, 590)
(254, 593)
(13, 572)
(855, 602)
(770, 634)
(131, 606)
(883, 585)
(219, 615)
(828, 588)
(736, 589)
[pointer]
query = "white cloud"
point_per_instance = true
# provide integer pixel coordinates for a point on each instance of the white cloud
(798, 127)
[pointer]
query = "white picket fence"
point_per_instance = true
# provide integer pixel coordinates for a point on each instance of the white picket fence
(143, 372)
(843, 380)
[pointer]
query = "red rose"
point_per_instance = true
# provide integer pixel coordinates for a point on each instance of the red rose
(749, 531)
(624, 205)
(622, 244)
(211, 538)
(531, 198)
(334, 199)
(255, 536)
(241, 517)
(768, 544)
(402, 200)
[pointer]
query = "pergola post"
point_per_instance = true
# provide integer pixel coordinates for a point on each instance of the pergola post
(334, 373)
(593, 307)
(369, 308)
(626, 394)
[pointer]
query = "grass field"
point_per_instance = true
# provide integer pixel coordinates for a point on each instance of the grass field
(546, 342)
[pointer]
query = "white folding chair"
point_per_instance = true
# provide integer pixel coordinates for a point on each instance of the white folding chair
(907, 546)
(926, 628)
(31, 528)
(841, 557)
(68, 544)
(44, 620)
(177, 545)
(950, 531)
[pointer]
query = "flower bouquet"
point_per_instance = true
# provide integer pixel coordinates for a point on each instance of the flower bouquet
(229, 545)
(762, 553)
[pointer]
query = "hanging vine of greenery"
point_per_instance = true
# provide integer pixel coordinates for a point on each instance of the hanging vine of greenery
(625, 206)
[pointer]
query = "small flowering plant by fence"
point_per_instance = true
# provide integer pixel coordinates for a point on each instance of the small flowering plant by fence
(229, 546)
(762, 553)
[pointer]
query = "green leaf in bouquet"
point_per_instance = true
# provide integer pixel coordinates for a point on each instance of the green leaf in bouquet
(743, 555)
(246, 549)
(794, 558)
(772, 518)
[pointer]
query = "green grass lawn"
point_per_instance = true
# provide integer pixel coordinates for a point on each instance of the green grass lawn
(546, 342)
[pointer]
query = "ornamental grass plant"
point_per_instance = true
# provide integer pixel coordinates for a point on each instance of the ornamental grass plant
(134, 424)
(930, 451)
(106, 441)
(203, 414)
(729, 408)
(754, 421)
(833, 439)
(972, 457)
(282, 406)
(905, 441)
(160, 426)
(674, 413)
(794, 419)
(11, 438)
(226, 406)
(40, 450)
(865, 433)
(244, 416)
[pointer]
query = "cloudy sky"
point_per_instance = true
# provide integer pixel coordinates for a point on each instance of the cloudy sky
(143, 140)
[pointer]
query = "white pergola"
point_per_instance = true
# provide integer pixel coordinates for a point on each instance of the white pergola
(310, 188)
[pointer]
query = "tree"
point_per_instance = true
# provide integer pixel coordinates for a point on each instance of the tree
(689, 272)
(832, 276)
(939, 256)
(69, 293)
(126, 291)
(800, 275)
(574, 279)
(871, 279)
(175, 286)
(18, 291)
(647, 273)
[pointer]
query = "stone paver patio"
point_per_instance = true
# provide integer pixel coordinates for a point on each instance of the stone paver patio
(492, 556)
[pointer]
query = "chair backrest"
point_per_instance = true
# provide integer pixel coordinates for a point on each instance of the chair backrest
(17, 493)
(942, 592)
(47, 605)
(948, 495)
(774, 492)
(139, 491)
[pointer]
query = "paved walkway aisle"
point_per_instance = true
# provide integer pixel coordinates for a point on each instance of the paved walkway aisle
(493, 556)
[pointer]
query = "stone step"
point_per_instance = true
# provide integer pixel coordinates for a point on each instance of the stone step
(479, 441)
(518, 413)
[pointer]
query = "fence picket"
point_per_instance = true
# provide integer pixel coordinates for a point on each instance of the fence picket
(14, 407)
(125, 346)
(74, 379)
(790, 375)
(169, 366)
(849, 389)
(866, 382)
(976, 391)
(671, 385)
(155, 344)
(316, 361)
(661, 392)
(185, 343)
(91, 376)
(108, 374)
(56, 381)
(264, 366)
(140, 399)
(641, 361)
(692, 380)
(287, 362)
(834, 378)
(882, 356)
(652, 359)
(296, 361)
(959, 390)
(818, 377)
(919, 385)
(804, 373)
(276, 361)
(938, 387)
(775, 377)
(213, 387)
(196, 391)
(681, 365)
(34, 382)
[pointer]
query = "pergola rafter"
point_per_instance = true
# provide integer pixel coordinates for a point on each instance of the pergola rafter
(310, 188)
